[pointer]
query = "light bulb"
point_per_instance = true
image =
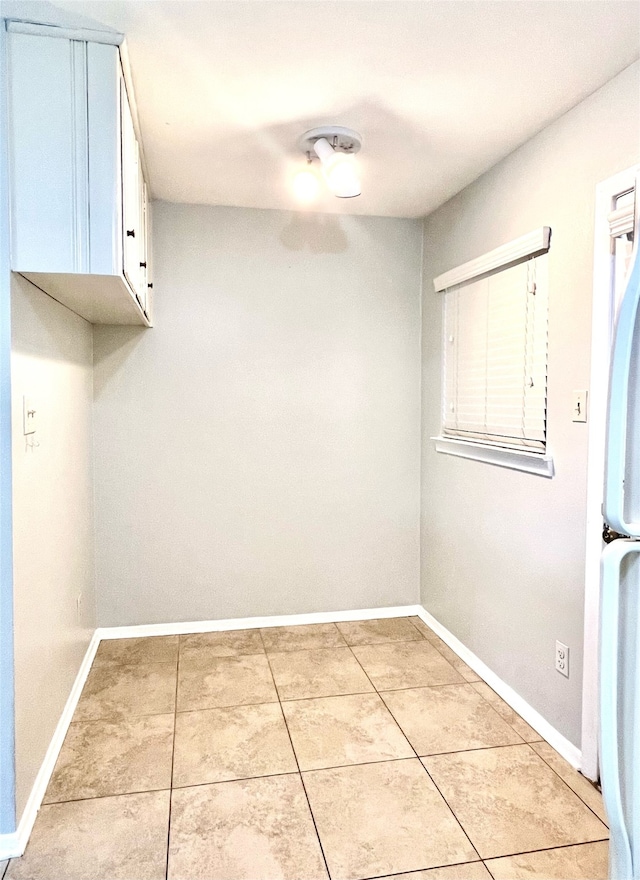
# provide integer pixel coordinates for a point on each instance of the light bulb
(339, 170)
(306, 185)
(342, 176)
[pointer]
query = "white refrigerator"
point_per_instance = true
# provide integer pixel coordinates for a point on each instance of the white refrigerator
(620, 593)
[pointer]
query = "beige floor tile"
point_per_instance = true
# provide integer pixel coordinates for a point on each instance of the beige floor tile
(376, 819)
(321, 673)
(244, 830)
(373, 632)
(214, 745)
(113, 838)
(520, 726)
(582, 787)
(422, 627)
(508, 801)
(209, 683)
(448, 719)
(154, 649)
(113, 692)
(467, 871)
(302, 638)
(588, 861)
(3, 867)
(232, 643)
(101, 758)
(405, 664)
(458, 664)
(335, 731)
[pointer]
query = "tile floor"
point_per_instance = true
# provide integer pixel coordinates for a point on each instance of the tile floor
(350, 751)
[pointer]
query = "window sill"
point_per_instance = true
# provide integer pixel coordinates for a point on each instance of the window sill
(530, 462)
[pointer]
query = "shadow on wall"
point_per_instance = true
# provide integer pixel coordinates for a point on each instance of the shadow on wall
(35, 331)
(319, 233)
(113, 345)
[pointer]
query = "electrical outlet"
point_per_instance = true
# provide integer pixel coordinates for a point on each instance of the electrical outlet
(562, 659)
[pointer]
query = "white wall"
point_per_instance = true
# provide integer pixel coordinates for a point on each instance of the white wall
(257, 452)
(502, 551)
(52, 517)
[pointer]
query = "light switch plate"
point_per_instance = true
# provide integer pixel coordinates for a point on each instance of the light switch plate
(579, 406)
(29, 416)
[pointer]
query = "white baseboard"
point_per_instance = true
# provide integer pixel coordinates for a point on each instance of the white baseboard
(13, 845)
(172, 629)
(560, 743)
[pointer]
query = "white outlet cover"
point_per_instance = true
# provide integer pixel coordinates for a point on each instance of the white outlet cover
(562, 659)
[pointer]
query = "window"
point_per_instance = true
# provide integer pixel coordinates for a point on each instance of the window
(495, 357)
(621, 221)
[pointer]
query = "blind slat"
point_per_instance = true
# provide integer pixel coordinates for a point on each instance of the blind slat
(496, 357)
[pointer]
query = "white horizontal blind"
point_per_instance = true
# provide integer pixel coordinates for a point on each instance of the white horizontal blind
(495, 385)
(622, 218)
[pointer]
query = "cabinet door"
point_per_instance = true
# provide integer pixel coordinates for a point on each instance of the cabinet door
(132, 232)
(48, 153)
(146, 263)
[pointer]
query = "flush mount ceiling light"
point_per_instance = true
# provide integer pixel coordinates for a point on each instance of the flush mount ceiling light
(335, 146)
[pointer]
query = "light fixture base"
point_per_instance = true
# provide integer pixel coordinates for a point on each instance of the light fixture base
(343, 140)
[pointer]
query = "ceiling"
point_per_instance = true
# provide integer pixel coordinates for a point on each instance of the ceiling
(439, 89)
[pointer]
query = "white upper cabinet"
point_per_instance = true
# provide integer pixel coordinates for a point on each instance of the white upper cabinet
(79, 211)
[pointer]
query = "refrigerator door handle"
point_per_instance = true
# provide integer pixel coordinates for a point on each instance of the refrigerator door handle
(620, 858)
(618, 401)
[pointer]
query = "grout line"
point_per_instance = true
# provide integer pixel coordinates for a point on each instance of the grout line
(133, 664)
(417, 687)
(418, 638)
(304, 788)
(422, 765)
(101, 797)
(453, 813)
(551, 767)
(236, 779)
(417, 871)
(528, 852)
(186, 652)
(425, 769)
(230, 706)
(284, 650)
(484, 861)
(358, 764)
(173, 754)
(489, 871)
(346, 644)
(327, 696)
(119, 719)
(475, 749)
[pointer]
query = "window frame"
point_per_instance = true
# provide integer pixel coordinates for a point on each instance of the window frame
(540, 462)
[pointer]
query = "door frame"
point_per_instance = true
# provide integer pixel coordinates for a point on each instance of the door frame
(7, 715)
(601, 320)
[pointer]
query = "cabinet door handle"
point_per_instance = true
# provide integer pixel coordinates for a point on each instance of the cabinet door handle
(143, 265)
(150, 285)
(131, 232)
